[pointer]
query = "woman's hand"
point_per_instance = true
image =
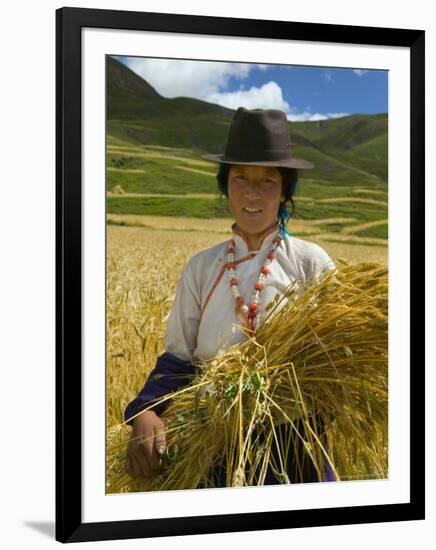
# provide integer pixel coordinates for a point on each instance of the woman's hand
(146, 446)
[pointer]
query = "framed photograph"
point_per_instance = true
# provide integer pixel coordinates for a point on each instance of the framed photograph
(208, 170)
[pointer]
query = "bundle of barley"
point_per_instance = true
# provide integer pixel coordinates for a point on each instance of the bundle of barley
(118, 190)
(310, 387)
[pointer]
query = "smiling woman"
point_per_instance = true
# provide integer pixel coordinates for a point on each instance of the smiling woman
(254, 199)
(224, 291)
(251, 180)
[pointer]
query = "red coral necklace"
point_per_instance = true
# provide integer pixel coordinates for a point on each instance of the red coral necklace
(249, 313)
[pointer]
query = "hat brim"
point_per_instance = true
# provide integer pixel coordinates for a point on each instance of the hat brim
(288, 163)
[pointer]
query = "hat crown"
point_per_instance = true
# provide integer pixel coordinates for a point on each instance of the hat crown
(258, 130)
(259, 137)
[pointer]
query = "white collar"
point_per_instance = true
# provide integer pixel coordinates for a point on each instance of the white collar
(265, 240)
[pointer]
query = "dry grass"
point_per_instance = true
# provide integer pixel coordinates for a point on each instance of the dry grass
(358, 200)
(143, 270)
(209, 196)
(143, 153)
(321, 352)
(196, 171)
(218, 229)
(362, 227)
(369, 191)
(118, 190)
(167, 223)
(334, 221)
(126, 170)
(142, 273)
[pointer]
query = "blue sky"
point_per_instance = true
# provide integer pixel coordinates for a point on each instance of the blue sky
(303, 93)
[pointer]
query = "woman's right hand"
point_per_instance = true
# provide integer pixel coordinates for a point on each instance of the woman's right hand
(146, 446)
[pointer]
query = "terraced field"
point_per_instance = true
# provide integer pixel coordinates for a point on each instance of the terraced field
(197, 232)
(153, 182)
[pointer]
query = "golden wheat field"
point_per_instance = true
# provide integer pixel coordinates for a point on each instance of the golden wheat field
(144, 262)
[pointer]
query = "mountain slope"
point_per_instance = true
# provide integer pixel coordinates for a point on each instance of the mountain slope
(349, 150)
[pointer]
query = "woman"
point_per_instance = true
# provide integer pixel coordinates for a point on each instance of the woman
(230, 284)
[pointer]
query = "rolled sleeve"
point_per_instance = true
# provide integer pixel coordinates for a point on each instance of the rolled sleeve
(169, 375)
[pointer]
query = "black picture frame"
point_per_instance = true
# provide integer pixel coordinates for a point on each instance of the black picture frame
(69, 22)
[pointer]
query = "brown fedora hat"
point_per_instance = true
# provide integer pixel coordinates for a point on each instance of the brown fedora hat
(259, 137)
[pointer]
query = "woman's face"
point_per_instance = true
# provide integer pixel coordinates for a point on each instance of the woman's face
(254, 198)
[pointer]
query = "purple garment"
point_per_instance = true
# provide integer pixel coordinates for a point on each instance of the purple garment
(172, 374)
(169, 375)
(329, 475)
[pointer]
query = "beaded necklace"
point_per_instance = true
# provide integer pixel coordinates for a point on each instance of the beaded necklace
(249, 313)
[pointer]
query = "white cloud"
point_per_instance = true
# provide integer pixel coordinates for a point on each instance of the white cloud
(178, 77)
(306, 115)
(268, 96)
(359, 72)
(208, 80)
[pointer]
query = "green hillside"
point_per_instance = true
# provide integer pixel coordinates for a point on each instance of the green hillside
(154, 145)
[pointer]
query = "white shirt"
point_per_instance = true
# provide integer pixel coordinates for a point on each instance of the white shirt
(203, 321)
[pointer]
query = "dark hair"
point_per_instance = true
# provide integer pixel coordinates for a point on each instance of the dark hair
(289, 185)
